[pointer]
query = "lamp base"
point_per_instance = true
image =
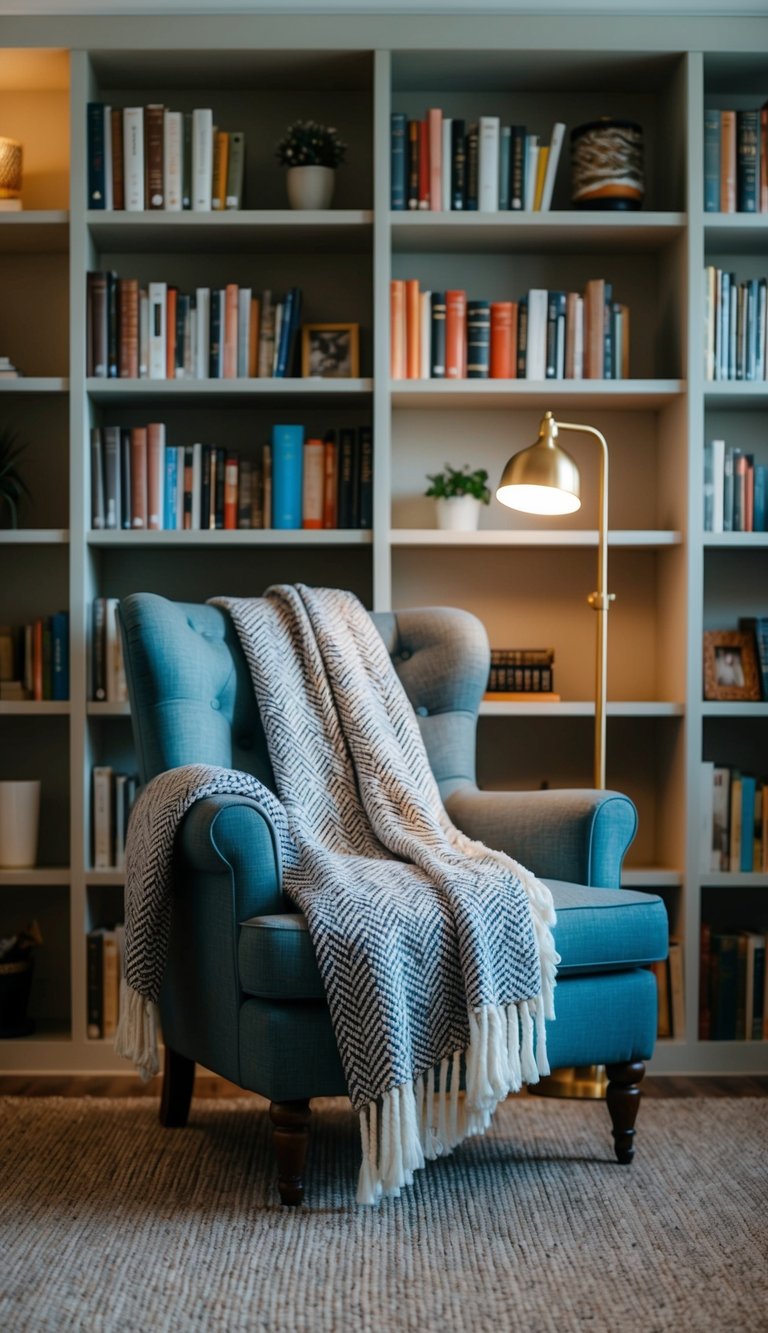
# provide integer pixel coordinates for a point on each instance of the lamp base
(585, 1081)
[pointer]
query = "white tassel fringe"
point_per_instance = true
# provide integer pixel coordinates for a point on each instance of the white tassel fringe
(136, 1036)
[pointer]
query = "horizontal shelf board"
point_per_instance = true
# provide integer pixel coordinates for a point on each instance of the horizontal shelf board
(583, 708)
(33, 536)
(95, 708)
(727, 880)
(736, 233)
(650, 877)
(38, 875)
(544, 537)
(736, 393)
(40, 232)
(112, 876)
(241, 390)
(276, 230)
(570, 231)
(741, 539)
(726, 708)
(35, 384)
(238, 537)
(55, 1033)
(605, 394)
(25, 707)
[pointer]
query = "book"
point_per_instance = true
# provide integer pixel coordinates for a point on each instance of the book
(458, 165)
(435, 124)
(505, 143)
(235, 170)
(133, 158)
(287, 468)
(711, 161)
(59, 622)
(313, 480)
(96, 151)
(455, 334)
(553, 158)
(446, 165)
(397, 329)
(425, 335)
(478, 339)
(154, 135)
(158, 296)
(536, 336)
(231, 482)
(414, 144)
(727, 161)
(365, 444)
(220, 171)
(488, 164)
(747, 160)
(98, 508)
(755, 985)
(503, 355)
(412, 330)
(173, 156)
(112, 477)
(139, 509)
(721, 817)
(202, 159)
(517, 168)
(102, 817)
(437, 335)
(398, 161)
(155, 474)
(330, 481)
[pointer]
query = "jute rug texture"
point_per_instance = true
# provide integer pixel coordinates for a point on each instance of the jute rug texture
(109, 1222)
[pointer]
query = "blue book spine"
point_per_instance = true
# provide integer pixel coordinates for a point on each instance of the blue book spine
(478, 340)
(171, 484)
(287, 465)
(398, 168)
(711, 161)
(555, 313)
(505, 155)
(60, 655)
(285, 335)
(97, 160)
(748, 785)
(761, 498)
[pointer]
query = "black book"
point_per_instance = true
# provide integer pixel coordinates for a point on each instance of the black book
(214, 368)
(205, 487)
(413, 163)
(99, 649)
(98, 508)
(112, 327)
(458, 164)
(186, 163)
(346, 504)
(187, 485)
(517, 168)
(522, 336)
(437, 368)
(365, 436)
(609, 357)
(183, 308)
(478, 340)
(747, 161)
(125, 477)
(555, 335)
(221, 459)
(97, 179)
(473, 149)
(113, 517)
(95, 983)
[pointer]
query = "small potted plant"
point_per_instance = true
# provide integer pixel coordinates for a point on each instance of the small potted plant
(311, 152)
(12, 484)
(459, 493)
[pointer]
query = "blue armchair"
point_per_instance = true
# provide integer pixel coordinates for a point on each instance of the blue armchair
(242, 995)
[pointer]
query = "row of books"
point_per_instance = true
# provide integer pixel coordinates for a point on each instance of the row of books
(735, 490)
(543, 335)
(736, 160)
(445, 164)
(107, 668)
(671, 991)
(140, 482)
(158, 332)
(154, 158)
(735, 326)
(734, 810)
(104, 953)
(34, 659)
(733, 985)
(113, 798)
(521, 671)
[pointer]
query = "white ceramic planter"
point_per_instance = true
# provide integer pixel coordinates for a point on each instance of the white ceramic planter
(459, 514)
(19, 814)
(310, 187)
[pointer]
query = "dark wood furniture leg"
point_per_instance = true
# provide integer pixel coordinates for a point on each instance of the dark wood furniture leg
(290, 1136)
(178, 1082)
(623, 1098)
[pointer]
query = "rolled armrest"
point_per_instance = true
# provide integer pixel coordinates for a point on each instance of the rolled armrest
(234, 836)
(577, 835)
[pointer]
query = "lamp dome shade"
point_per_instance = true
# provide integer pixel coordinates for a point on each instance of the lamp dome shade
(542, 479)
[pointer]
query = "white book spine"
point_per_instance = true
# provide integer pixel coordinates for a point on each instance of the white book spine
(243, 331)
(197, 483)
(173, 148)
(446, 181)
(531, 169)
(117, 687)
(202, 332)
(536, 355)
(109, 202)
(133, 158)
(718, 479)
(425, 345)
(555, 146)
(143, 334)
(488, 165)
(102, 817)
(158, 296)
(202, 159)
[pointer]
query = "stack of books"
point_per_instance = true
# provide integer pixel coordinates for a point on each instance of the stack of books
(113, 798)
(735, 326)
(736, 160)
(444, 164)
(733, 991)
(520, 675)
(734, 812)
(104, 952)
(543, 335)
(34, 659)
(735, 490)
(107, 669)
(669, 982)
(154, 158)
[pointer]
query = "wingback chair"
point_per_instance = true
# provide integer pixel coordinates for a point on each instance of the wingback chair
(242, 994)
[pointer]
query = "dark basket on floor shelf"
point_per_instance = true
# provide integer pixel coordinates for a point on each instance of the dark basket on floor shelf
(15, 985)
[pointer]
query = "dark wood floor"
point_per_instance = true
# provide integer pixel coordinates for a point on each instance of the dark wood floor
(207, 1085)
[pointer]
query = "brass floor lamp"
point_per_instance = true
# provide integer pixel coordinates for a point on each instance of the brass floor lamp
(543, 479)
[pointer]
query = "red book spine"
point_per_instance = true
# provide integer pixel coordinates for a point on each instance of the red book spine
(455, 335)
(171, 297)
(116, 129)
(502, 358)
(138, 476)
(423, 164)
(313, 485)
(155, 472)
(397, 328)
(749, 500)
(231, 477)
(412, 329)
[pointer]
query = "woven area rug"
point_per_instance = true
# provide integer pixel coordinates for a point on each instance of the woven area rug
(109, 1222)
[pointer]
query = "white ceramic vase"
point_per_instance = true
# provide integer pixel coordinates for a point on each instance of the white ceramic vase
(459, 514)
(310, 187)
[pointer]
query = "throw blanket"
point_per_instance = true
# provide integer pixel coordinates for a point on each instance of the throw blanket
(435, 952)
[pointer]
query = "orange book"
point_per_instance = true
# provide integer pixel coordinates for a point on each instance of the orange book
(229, 358)
(397, 328)
(455, 335)
(138, 476)
(412, 329)
(330, 483)
(221, 167)
(155, 474)
(253, 338)
(503, 340)
(541, 171)
(436, 167)
(170, 332)
(313, 484)
(594, 329)
(231, 477)
(727, 161)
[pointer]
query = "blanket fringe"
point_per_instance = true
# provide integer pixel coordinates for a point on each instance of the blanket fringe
(426, 1119)
(136, 1036)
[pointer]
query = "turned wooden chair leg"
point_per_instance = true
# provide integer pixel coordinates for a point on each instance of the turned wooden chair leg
(178, 1082)
(623, 1098)
(290, 1136)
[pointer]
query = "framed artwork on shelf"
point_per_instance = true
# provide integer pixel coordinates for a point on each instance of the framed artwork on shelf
(330, 351)
(730, 666)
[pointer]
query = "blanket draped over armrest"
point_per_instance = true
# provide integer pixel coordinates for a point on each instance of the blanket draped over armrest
(436, 952)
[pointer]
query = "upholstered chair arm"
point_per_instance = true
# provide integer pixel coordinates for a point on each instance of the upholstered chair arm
(234, 836)
(577, 835)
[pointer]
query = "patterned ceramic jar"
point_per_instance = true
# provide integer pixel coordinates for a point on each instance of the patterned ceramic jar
(607, 164)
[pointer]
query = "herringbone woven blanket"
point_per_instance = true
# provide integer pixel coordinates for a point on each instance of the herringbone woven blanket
(436, 952)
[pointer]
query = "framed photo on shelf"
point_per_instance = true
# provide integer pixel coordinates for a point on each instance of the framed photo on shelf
(330, 351)
(730, 665)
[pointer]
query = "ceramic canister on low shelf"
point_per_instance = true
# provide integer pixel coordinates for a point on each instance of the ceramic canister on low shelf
(607, 164)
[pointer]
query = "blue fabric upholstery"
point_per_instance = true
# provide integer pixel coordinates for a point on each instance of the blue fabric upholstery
(222, 1002)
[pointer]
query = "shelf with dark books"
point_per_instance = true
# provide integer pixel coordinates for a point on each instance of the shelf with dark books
(44, 231)
(252, 231)
(736, 160)
(569, 232)
(617, 395)
(733, 982)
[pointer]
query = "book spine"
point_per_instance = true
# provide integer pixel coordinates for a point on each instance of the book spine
(97, 183)
(220, 172)
(554, 341)
(424, 187)
(245, 494)
(472, 151)
(446, 166)
(202, 159)
(488, 164)
(138, 476)
(505, 144)
(98, 507)
(536, 343)
(398, 161)
(435, 126)
(154, 132)
(530, 171)
(747, 160)
(218, 488)
(112, 326)
(60, 655)
(522, 337)
(287, 460)
(118, 168)
(128, 320)
(458, 165)
(330, 481)
(102, 817)
(231, 478)
(125, 477)
(235, 170)
(98, 324)
(170, 485)
(133, 158)
(345, 478)
(108, 197)
(158, 299)
(112, 500)
(727, 161)
(517, 168)
(711, 161)
(215, 360)
(478, 340)
(397, 329)
(412, 330)
(502, 360)
(414, 146)
(313, 484)
(437, 335)
(94, 985)
(553, 158)
(365, 439)
(171, 331)
(455, 335)
(173, 150)
(155, 474)
(229, 351)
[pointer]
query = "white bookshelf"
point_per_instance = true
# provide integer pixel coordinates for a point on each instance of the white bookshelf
(527, 580)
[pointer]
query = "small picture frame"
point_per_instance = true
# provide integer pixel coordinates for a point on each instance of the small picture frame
(330, 351)
(730, 665)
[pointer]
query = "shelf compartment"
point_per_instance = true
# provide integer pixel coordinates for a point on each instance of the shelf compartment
(44, 231)
(234, 537)
(246, 231)
(606, 395)
(736, 393)
(583, 708)
(254, 391)
(34, 536)
(736, 233)
(568, 231)
(514, 537)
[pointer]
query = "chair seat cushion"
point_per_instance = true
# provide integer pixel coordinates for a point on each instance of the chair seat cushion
(598, 930)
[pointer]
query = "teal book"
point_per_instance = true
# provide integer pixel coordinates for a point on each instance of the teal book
(748, 785)
(287, 464)
(711, 161)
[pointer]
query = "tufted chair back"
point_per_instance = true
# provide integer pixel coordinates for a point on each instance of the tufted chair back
(192, 699)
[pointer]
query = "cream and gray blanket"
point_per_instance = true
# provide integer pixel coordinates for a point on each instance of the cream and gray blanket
(436, 952)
